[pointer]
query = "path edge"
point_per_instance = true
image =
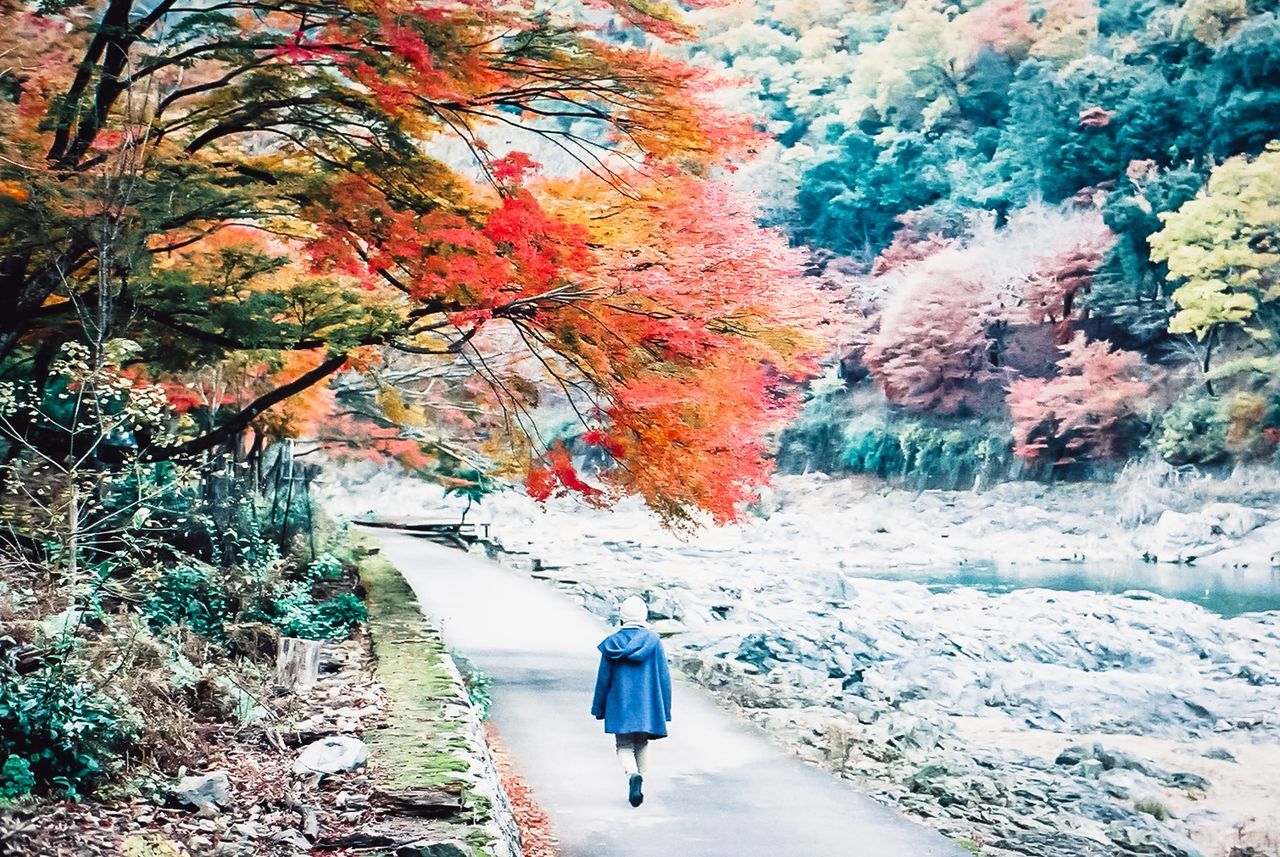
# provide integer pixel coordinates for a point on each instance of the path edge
(431, 703)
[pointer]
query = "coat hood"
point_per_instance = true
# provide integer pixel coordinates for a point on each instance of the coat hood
(629, 644)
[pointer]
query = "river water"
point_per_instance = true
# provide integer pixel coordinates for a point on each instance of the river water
(1228, 592)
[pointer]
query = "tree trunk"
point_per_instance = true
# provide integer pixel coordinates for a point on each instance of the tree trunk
(73, 537)
(1208, 354)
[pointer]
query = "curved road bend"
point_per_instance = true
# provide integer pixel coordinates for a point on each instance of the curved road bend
(716, 788)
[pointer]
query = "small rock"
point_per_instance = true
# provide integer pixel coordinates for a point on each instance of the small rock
(332, 755)
(310, 824)
(1091, 769)
(247, 830)
(1221, 754)
(292, 838)
(1189, 782)
(1073, 755)
(201, 789)
(347, 800)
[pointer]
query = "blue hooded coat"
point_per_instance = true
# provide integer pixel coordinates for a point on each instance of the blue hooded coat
(633, 686)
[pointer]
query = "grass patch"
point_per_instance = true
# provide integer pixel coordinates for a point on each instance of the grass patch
(972, 847)
(1153, 808)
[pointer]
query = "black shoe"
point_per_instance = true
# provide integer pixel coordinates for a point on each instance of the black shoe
(636, 796)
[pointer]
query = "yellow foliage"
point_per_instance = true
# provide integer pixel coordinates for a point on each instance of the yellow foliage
(1224, 246)
(394, 408)
(1210, 20)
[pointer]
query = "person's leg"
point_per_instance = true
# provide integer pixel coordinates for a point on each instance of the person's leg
(626, 746)
(630, 754)
(642, 753)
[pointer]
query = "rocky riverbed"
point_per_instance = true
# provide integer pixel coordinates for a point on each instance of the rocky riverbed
(1033, 721)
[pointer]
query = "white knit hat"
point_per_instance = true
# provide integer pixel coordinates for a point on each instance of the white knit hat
(633, 610)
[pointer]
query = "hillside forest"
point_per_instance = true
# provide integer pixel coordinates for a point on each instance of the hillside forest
(1053, 225)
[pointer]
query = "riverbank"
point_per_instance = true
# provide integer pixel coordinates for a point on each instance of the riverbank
(1032, 721)
(1152, 513)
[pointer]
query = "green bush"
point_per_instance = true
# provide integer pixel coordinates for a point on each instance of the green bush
(58, 733)
(1153, 808)
(206, 601)
(16, 779)
(927, 455)
(875, 451)
(479, 685)
(326, 566)
(291, 607)
(187, 595)
(1194, 431)
(334, 618)
(813, 441)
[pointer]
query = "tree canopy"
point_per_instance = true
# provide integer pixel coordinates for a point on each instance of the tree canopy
(262, 195)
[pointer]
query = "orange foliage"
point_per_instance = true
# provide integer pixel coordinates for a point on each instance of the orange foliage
(695, 319)
(344, 437)
(322, 228)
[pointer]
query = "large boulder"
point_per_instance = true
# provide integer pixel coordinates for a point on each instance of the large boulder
(1234, 520)
(333, 755)
(1180, 537)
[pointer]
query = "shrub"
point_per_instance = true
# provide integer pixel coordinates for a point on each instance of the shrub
(334, 618)
(876, 451)
(478, 684)
(814, 440)
(187, 595)
(1194, 431)
(1153, 808)
(58, 733)
(16, 779)
(927, 455)
(206, 601)
(291, 607)
(1246, 434)
(326, 566)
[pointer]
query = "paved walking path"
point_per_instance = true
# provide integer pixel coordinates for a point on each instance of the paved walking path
(716, 788)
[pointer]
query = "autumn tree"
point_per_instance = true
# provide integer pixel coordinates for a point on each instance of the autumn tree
(268, 185)
(1088, 412)
(1223, 249)
(934, 348)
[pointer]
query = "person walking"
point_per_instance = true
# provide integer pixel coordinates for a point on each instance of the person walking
(633, 692)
